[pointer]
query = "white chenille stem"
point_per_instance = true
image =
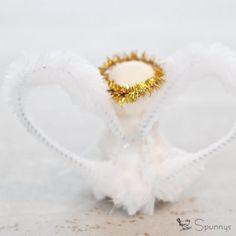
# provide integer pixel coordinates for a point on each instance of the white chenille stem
(25, 75)
(217, 146)
(185, 67)
(89, 167)
(39, 134)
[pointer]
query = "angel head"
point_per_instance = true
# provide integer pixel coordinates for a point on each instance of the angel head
(131, 77)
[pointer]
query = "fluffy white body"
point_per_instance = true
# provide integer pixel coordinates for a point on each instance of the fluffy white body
(138, 166)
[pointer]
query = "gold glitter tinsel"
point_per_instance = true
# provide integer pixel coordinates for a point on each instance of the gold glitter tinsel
(130, 94)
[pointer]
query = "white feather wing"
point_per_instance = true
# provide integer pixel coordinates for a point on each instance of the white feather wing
(182, 69)
(76, 76)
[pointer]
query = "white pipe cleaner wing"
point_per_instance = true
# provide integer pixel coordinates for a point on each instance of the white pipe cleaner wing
(183, 69)
(142, 169)
(78, 78)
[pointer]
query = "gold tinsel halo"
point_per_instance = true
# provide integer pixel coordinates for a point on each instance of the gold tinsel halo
(130, 94)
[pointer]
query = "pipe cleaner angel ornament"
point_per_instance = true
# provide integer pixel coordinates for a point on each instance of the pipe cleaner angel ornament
(128, 93)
